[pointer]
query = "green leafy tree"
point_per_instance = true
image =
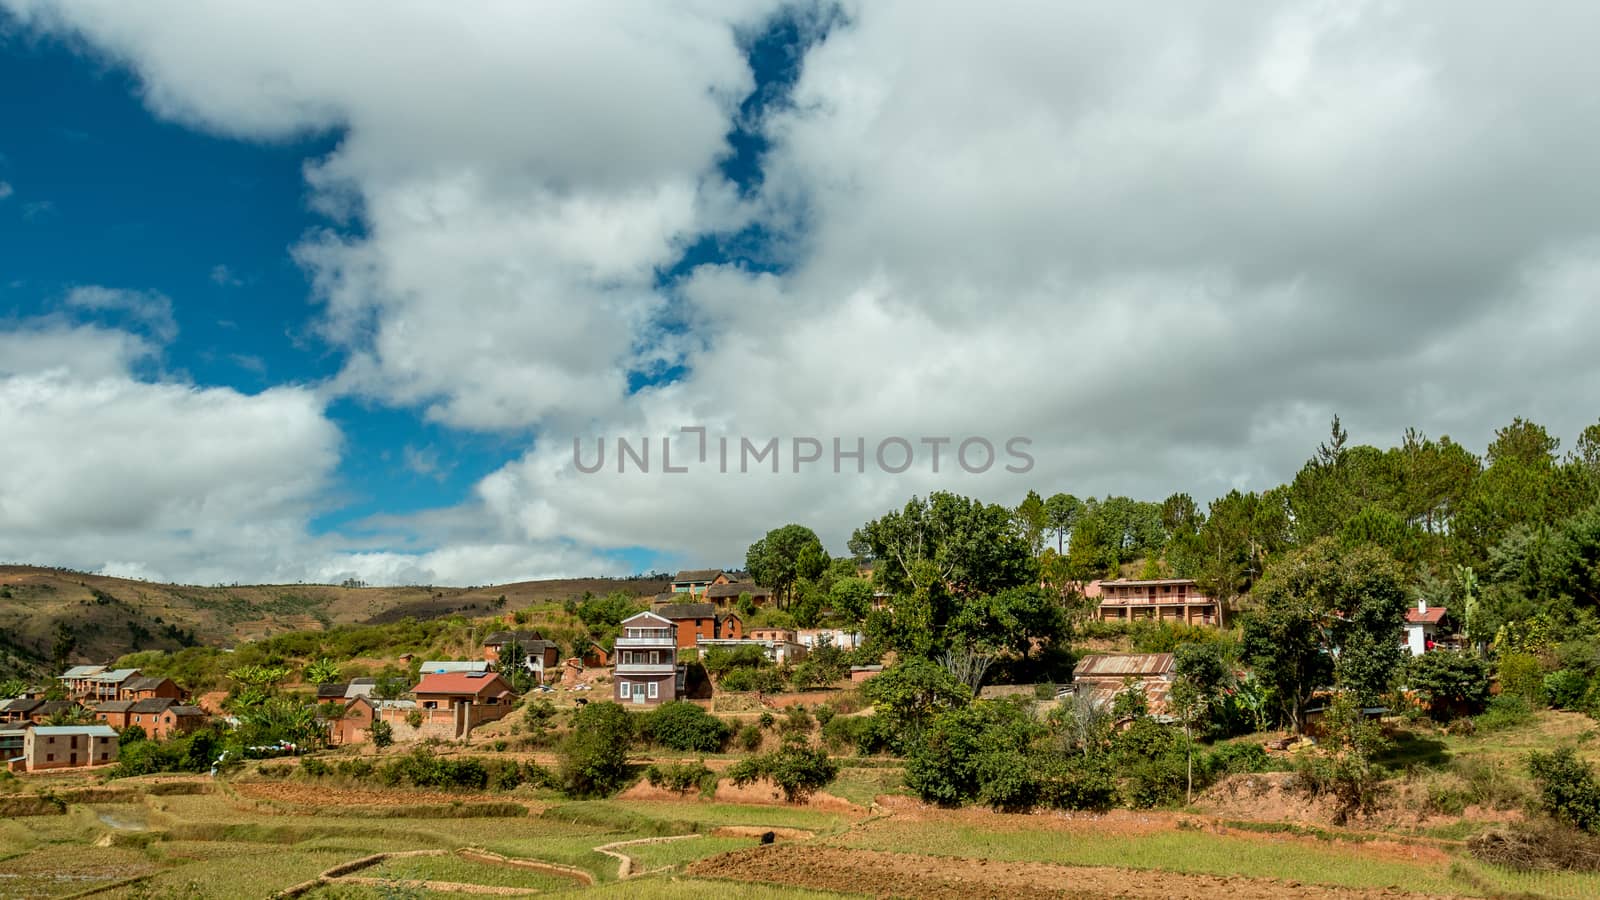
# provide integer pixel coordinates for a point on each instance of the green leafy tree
(968, 547)
(797, 770)
(1327, 615)
(851, 599)
(979, 751)
(1032, 521)
(1450, 684)
(381, 733)
(907, 695)
(594, 756)
(783, 557)
(1061, 514)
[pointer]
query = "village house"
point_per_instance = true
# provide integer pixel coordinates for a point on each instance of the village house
(538, 654)
(114, 713)
(1100, 677)
(11, 741)
(109, 685)
(76, 679)
(160, 717)
(1156, 600)
(1424, 627)
(726, 596)
(447, 690)
(18, 710)
(777, 644)
(694, 582)
(65, 746)
(150, 687)
(647, 670)
(354, 725)
(48, 708)
(812, 638)
(440, 666)
(699, 621)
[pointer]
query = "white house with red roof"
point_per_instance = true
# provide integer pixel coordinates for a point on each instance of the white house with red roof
(1423, 626)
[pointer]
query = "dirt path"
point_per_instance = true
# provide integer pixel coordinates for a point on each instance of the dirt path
(884, 874)
(625, 862)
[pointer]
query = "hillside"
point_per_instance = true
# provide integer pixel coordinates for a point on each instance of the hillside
(104, 617)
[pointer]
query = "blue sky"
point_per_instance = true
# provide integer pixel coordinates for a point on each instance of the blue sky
(107, 194)
(282, 302)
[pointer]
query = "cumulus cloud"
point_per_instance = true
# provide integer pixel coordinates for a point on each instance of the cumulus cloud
(151, 309)
(6, 189)
(1165, 246)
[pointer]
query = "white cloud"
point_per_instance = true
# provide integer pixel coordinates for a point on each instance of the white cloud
(1165, 245)
(222, 275)
(152, 309)
(6, 190)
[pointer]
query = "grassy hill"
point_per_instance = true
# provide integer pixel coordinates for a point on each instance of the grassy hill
(103, 618)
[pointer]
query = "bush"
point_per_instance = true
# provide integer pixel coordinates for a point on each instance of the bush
(681, 725)
(1451, 684)
(863, 733)
(381, 732)
(797, 770)
(1076, 782)
(315, 767)
(1522, 675)
(424, 768)
(1236, 759)
(1505, 711)
(824, 714)
(594, 756)
(750, 737)
(1567, 788)
(679, 777)
(766, 720)
(797, 721)
(1537, 847)
(1566, 688)
(743, 679)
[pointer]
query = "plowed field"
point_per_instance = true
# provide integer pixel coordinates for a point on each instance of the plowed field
(884, 874)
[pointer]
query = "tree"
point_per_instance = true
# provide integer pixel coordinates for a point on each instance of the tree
(381, 733)
(1327, 615)
(783, 557)
(603, 614)
(323, 671)
(851, 598)
(1450, 684)
(797, 770)
(1061, 514)
(969, 547)
(594, 756)
(61, 648)
(910, 693)
(976, 751)
(1032, 521)
(71, 715)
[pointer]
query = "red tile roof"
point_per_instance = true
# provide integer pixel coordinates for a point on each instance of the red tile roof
(1432, 617)
(474, 683)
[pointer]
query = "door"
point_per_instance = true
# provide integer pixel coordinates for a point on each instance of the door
(638, 692)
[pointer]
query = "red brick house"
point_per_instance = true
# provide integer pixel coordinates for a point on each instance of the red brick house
(446, 690)
(150, 687)
(1156, 600)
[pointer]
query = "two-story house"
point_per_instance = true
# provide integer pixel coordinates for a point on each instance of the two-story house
(694, 582)
(646, 660)
(1156, 600)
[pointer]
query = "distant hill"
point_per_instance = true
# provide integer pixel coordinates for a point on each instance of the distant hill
(103, 617)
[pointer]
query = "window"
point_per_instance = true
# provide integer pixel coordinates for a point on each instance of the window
(49, 757)
(654, 690)
(105, 757)
(622, 689)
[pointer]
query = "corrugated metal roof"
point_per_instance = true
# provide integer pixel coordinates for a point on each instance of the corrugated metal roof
(1123, 665)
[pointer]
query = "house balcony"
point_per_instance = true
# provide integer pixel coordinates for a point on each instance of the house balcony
(667, 641)
(664, 668)
(1157, 601)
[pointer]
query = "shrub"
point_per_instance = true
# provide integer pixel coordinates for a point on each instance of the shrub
(381, 732)
(594, 756)
(1566, 688)
(797, 770)
(1537, 847)
(1567, 787)
(424, 768)
(750, 737)
(864, 733)
(797, 721)
(766, 680)
(766, 719)
(1076, 782)
(414, 718)
(678, 777)
(1451, 684)
(1505, 711)
(681, 725)
(315, 767)
(824, 714)
(1522, 675)
(1236, 759)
